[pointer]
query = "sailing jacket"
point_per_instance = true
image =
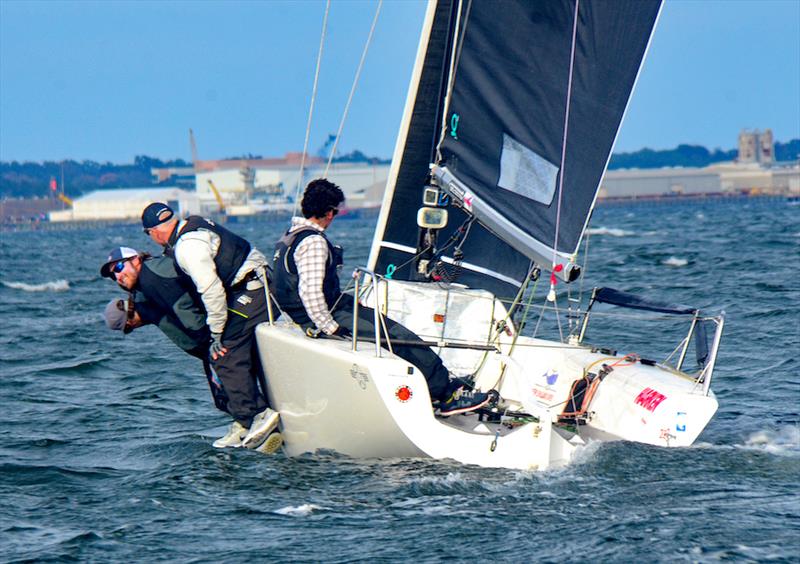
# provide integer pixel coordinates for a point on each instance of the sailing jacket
(216, 260)
(305, 275)
(170, 301)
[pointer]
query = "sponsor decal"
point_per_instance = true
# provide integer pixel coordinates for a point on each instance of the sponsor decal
(403, 394)
(360, 376)
(541, 394)
(551, 377)
(680, 424)
(468, 201)
(649, 399)
(666, 436)
(244, 299)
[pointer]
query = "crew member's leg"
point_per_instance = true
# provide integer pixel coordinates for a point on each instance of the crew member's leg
(427, 361)
(246, 309)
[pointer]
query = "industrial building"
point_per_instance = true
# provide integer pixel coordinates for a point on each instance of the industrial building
(125, 204)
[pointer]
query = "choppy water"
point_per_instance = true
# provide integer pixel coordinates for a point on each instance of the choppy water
(105, 448)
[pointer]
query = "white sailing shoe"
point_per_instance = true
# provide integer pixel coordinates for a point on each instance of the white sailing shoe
(263, 424)
(233, 438)
(272, 445)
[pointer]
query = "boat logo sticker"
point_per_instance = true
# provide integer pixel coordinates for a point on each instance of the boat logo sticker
(551, 377)
(403, 394)
(680, 424)
(244, 299)
(649, 399)
(454, 125)
(359, 376)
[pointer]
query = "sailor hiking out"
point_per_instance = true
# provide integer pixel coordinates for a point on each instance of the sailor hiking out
(306, 287)
(229, 276)
(160, 296)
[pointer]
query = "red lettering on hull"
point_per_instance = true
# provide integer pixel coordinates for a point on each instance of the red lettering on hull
(649, 399)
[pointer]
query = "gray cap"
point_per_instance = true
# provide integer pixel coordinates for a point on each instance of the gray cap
(116, 314)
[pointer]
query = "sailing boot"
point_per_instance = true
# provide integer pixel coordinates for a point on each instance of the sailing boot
(464, 400)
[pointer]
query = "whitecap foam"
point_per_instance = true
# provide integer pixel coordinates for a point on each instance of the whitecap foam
(675, 261)
(782, 441)
(298, 510)
(613, 231)
(54, 286)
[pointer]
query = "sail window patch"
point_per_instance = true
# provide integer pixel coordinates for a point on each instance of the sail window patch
(526, 173)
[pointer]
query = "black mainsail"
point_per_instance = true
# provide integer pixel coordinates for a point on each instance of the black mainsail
(520, 131)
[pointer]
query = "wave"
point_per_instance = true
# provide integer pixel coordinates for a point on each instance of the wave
(54, 286)
(675, 261)
(299, 510)
(784, 441)
(614, 232)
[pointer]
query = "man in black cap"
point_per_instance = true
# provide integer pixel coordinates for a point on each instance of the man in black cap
(229, 276)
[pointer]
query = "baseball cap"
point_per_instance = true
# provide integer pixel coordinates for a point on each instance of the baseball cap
(116, 314)
(156, 214)
(117, 254)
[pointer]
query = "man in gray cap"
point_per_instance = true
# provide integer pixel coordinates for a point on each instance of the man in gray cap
(229, 276)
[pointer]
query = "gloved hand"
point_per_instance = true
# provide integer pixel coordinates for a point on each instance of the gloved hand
(216, 348)
(343, 332)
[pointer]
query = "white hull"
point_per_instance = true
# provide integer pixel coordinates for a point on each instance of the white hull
(354, 403)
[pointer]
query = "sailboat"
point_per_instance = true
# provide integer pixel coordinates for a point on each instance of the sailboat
(510, 120)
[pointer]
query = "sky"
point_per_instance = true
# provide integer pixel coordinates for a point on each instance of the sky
(106, 81)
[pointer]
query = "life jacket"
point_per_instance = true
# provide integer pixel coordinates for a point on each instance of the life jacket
(231, 255)
(285, 282)
(175, 296)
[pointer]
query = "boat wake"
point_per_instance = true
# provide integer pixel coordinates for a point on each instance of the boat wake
(784, 441)
(54, 286)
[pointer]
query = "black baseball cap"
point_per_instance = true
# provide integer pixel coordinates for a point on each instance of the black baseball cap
(155, 214)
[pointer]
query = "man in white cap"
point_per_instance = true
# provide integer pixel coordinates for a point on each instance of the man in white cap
(229, 276)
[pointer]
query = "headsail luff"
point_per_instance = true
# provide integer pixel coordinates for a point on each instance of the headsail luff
(507, 113)
(490, 263)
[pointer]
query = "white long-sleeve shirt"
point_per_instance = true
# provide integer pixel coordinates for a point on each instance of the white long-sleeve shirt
(194, 253)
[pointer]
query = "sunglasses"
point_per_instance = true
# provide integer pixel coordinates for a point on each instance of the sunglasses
(335, 211)
(118, 267)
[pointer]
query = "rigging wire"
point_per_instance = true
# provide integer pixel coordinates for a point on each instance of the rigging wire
(566, 128)
(353, 88)
(451, 75)
(311, 108)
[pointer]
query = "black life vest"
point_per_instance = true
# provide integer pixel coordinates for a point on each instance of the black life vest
(232, 252)
(285, 282)
(173, 295)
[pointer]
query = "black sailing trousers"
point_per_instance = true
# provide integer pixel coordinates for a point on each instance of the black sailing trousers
(240, 369)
